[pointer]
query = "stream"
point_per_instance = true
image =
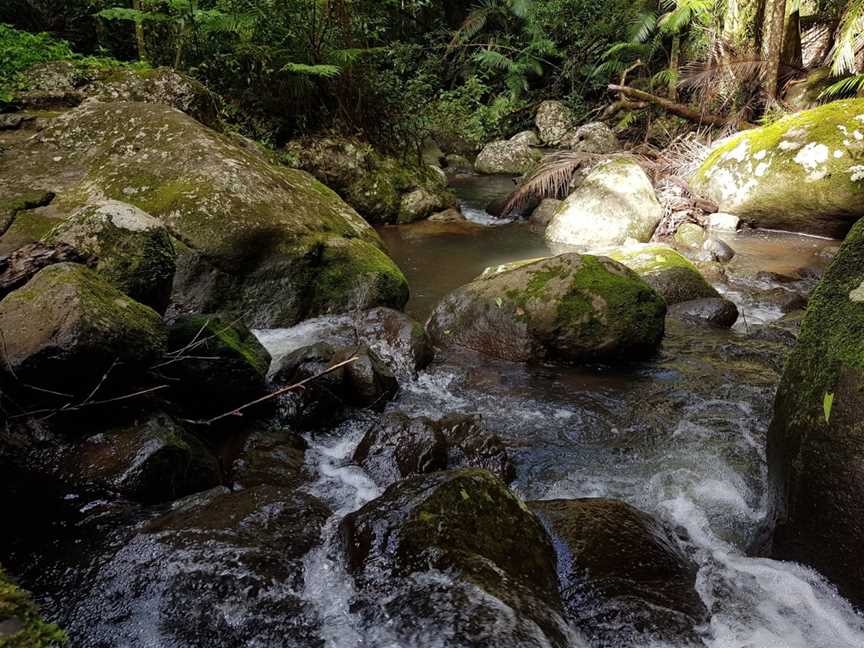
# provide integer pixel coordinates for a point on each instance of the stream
(681, 435)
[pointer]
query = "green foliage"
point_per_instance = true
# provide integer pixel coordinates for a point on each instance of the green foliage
(848, 86)
(21, 50)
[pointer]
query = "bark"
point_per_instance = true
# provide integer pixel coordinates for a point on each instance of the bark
(676, 108)
(140, 37)
(19, 267)
(793, 55)
(742, 26)
(773, 30)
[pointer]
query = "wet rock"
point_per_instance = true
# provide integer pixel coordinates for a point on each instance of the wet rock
(68, 326)
(272, 456)
(214, 364)
(616, 202)
(690, 235)
(802, 173)
(716, 250)
(723, 222)
(506, 158)
(554, 122)
(622, 570)
(594, 137)
(816, 438)
(365, 383)
(545, 211)
(717, 312)
(133, 250)
(569, 308)
(455, 554)
(670, 274)
(422, 203)
(458, 164)
(452, 215)
(219, 569)
(505, 207)
(398, 447)
(20, 622)
(149, 460)
(785, 300)
(784, 331)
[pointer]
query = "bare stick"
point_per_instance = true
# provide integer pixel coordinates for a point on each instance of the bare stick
(676, 108)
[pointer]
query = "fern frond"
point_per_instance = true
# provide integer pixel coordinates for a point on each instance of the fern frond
(325, 71)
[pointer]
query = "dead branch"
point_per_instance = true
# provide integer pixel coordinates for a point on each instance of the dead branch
(623, 105)
(676, 108)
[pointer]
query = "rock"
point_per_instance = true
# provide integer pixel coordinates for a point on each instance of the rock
(399, 447)
(803, 173)
(714, 249)
(500, 587)
(785, 300)
(529, 138)
(674, 278)
(568, 308)
(150, 460)
(458, 164)
(254, 239)
(367, 382)
(14, 121)
(724, 222)
(383, 189)
(615, 203)
(67, 327)
(816, 438)
(507, 158)
(22, 265)
(545, 211)
(271, 456)
(690, 235)
(717, 312)
(133, 250)
(216, 364)
(452, 215)
(218, 569)
(432, 154)
(621, 570)
(20, 622)
(554, 122)
(595, 137)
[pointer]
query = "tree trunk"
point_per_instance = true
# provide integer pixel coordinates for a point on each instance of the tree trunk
(140, 38)
(674, 65)
(793, 54)
(742, 26)
(774, 24)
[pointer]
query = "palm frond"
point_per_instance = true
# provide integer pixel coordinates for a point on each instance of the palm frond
(552, 178)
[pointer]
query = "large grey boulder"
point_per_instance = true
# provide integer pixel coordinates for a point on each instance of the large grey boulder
(594, 137)
(554, 122)
(616, 202)
(507, 157)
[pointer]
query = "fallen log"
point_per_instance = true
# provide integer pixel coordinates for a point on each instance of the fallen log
(678, 109)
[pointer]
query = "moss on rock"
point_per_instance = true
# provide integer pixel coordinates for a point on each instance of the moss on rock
(669, 273)
(21, 626)
(804, 173)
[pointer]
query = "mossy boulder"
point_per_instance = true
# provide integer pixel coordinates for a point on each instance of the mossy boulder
(215, 364)
(67, 326)
(132, 250)
(616, 202)
(669, 273)
(622, 570)
(507, 157)
(554, 122)
(569, 308)
(500, 587)
(21, 626)
(690, 236)
(254, 239)
(804, 173)
(383, 189)
(816, 438)
(148, 460)
(594, 137)
(271, 455)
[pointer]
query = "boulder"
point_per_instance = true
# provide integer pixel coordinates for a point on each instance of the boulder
(594, 137)
(554, 122)
(67, 327)
(816, 438)
(529, 138)
(214, 364)
(674, 278)
(133, 250)
(271, 455)
(569, 308)
(507, 158)
(422, 203)
(365, 383)
(452, 215)
(690, 235)
(803, 173)
(500, 587)
(620, 570)
(458, 164)
(545, 212)
(217, 569)
(20, 622)
(713, 249)
(616, 202)
(398, 447)
(714, 311)
(724, 222)
(149, 460)
(254, 239)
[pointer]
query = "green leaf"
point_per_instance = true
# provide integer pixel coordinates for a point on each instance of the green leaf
(827, 405)
(499, 302)
(464, 494)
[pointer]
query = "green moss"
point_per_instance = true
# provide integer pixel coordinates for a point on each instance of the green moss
(10, 208)
(225, 338)
(28, 630)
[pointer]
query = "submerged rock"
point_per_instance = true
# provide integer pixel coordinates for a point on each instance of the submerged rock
(670, 274)
(67, 327)
(454, 554)
(616, 202)
(133, 250)
(622, 571)
(399, 447)
(816, 438)
(507, 158)
(569, 308)
(803, 173)
(714, 311)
